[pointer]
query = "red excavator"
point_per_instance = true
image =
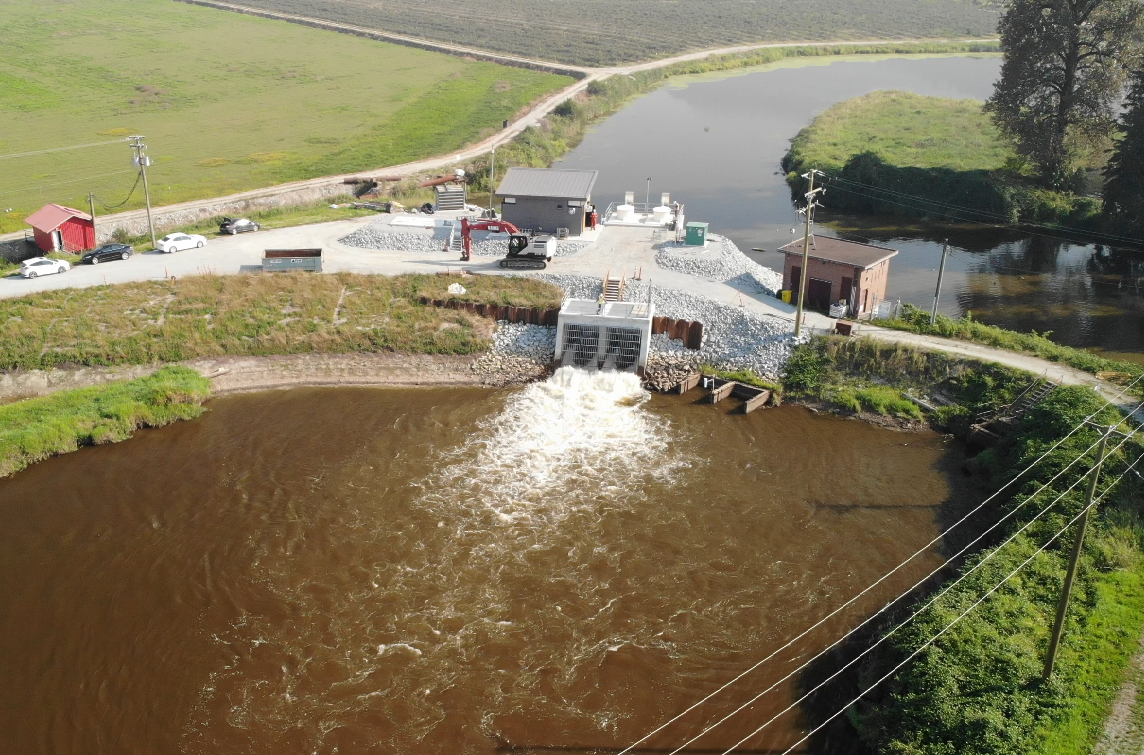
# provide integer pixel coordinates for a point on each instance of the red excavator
(524, 253)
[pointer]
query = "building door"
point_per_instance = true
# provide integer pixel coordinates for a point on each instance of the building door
(795, 279)
(58, 240)
(818, 294)
(847, 292)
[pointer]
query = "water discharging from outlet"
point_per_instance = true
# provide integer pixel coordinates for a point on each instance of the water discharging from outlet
(370, 571)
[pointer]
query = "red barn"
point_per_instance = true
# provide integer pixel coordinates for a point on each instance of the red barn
(62, 229)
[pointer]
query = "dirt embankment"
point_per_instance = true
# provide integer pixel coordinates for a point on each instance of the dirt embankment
(236, 374)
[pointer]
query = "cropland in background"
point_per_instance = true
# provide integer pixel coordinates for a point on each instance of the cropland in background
(607, 32)
(227, 102)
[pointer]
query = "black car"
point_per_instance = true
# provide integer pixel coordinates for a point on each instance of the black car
(237, 225)
(106, 253)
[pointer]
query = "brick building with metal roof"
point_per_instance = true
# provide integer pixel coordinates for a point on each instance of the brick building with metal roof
(837, 271)
(545, 200)
(56, 228)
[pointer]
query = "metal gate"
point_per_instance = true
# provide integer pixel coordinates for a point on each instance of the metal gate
(584, 341)
(623, 347)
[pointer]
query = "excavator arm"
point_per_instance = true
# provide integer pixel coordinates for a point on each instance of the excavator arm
(517, 242)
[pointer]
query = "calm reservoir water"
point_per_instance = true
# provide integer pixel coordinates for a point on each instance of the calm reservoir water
(443, 571)
(715, 143)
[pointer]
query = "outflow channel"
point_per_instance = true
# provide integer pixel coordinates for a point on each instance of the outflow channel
(366, 570)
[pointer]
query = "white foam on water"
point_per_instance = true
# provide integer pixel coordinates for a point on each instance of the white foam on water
(579, 436)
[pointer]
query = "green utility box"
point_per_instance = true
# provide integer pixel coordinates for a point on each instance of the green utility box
(697, 234)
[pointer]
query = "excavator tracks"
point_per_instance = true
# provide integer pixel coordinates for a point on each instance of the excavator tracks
(519, 263)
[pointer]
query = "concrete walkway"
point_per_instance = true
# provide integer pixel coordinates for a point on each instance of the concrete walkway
(622, 251)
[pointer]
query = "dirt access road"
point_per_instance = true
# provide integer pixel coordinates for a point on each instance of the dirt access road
(585, 76)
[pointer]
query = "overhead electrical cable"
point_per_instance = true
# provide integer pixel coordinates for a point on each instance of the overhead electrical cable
(129, 195)
(914, 615)
(59, 149)
(947, 627)
(63, 183)
(877, 582)
(1003, 221)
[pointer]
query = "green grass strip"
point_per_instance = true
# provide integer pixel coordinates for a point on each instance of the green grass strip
(37, 428)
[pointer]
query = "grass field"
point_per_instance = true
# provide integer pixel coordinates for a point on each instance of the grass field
(250, 315)
(227, 102)
(606, 32)
(905, 130)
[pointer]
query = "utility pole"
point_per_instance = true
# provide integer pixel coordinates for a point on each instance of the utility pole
(141, 159)
(492, 176)
(940, 274)
(1070, 576)
(810, 205)
(647, 199)
(91, 206)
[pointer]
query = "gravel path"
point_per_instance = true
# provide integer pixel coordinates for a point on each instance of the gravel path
(721, 261)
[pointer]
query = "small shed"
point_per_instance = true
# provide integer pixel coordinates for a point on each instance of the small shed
(545, 200)
(62, 229)
(839, 271)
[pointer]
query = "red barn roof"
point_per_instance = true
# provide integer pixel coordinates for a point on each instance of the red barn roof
(51, 216)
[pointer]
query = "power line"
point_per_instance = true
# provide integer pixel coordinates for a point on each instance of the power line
(968, 257)
(916, 613)
(129, 195)
(964, 613)
(852, 600)
(62, 183)
(1007, 223)
(59, 149)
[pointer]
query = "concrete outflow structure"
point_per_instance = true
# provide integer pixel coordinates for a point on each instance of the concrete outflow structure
(838, 271)
(604, 335)
(549, 201)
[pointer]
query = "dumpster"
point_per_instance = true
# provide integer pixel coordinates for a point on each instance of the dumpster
(786, 292)
(697, 234)
(274, 260)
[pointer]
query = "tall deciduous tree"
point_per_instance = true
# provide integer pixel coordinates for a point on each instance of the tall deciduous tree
(1066, 63)
(1124, 175)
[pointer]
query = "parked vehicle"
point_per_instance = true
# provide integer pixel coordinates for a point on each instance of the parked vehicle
(107, 253)
(177, 242)
(38, 266)
(237, 225)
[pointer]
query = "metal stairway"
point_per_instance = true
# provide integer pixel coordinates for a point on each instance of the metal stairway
(613, 287)
(990, 427)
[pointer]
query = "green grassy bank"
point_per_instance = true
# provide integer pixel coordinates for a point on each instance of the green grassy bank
(977, 689)
(34, 429)
(250, 315)
(228, 102)
(945, 152)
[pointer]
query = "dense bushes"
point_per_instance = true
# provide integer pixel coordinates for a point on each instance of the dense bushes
(977, 689)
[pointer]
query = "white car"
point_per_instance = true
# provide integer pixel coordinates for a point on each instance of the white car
(38, 266)
(177, 242)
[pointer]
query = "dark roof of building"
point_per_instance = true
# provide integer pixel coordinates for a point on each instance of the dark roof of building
(548, 182)
(51, 216)
(843, 252)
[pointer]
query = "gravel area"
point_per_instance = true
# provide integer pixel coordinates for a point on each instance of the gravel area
(498, 247)
(720, 261)
(520, 353)
(733, 338)
(379, 236)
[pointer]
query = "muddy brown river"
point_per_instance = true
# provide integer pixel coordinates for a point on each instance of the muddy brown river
(557, 568)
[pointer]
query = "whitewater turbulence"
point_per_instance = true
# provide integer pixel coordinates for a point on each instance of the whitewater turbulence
(579, 435)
